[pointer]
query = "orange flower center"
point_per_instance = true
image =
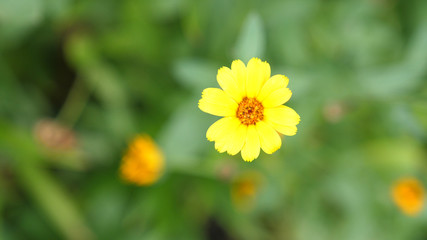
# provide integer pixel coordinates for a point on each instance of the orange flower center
(250, 111)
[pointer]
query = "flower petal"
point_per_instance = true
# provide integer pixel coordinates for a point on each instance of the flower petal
(251, 149)
(258, 73)
(237, 139)
(240, 75)
(282, 118)
(216, 128)
(224, 136)
(228, 83)
(283, 129)
(283, 115)
(269, 139)
(276, 98)
(217, 102)
(274, 83)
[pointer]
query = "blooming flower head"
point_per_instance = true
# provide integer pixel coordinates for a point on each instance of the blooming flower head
(408, 194)
(251, 104)
(143, 162)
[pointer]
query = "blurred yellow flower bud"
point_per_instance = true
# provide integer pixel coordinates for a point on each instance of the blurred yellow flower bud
(408, 194)
(143, 162)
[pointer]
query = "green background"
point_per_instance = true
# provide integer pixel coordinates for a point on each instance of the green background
(112, 69)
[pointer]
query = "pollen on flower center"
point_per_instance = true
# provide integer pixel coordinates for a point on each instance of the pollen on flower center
(250, 111)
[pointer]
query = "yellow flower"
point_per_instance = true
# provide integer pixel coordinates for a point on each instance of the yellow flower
(408, 194)
(143, 162)
(251, 104)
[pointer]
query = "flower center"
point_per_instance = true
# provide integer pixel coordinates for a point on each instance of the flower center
(250, 111)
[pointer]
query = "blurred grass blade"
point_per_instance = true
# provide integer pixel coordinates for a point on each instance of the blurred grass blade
(1, 209)
(55, 203)
(39, 185)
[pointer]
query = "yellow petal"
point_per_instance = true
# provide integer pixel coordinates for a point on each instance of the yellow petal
(240, 75)
(217, 102)
(228, 83)
(251, 149)
(276, 98)
(216, 128)
(283, 115)
(258, 73)
(269, 139)
(237, 139)
(225, 134)
(283, 129)
(274, 83)
(220, 146)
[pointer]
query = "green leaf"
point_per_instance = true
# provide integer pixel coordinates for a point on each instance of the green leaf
(183, 137)
(391, 81)
(17, 17)
(251, 42)
(195, 74)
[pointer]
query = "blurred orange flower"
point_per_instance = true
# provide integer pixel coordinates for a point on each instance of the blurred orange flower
(408, 194)
(244, 190)
(143, 162)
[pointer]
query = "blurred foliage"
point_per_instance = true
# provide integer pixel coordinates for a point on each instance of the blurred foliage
(103, 71)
